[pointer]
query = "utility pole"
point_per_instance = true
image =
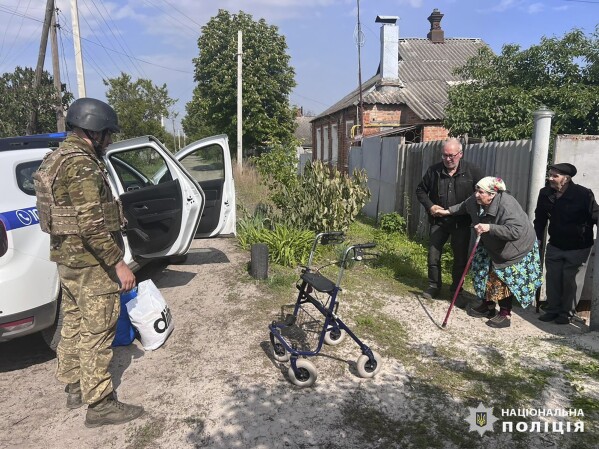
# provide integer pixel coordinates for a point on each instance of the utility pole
(78, 54)
(360, 42)
(32, 125)
(60, 126)
(239, 99)
(174, 133)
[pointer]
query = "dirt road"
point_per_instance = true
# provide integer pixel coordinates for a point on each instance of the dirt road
(215, 385)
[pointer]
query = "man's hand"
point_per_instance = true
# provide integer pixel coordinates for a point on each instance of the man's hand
(125, 275)
(434, 210)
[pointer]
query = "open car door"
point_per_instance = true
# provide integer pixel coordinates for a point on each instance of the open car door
(208, 161)
(162, 211)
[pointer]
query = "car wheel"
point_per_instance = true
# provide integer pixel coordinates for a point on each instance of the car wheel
(51, 335)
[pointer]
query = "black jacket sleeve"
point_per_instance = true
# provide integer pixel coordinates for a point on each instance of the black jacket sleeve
(541, 217)
(424, 188)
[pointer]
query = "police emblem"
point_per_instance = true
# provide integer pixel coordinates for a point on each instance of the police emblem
(481, 419)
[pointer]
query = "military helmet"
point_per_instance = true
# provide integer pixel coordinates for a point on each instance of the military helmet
(93, 115)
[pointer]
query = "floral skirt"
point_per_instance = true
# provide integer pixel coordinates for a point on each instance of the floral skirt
(522, 278)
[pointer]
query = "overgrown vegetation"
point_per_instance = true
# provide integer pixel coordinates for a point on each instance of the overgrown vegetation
(299, 208)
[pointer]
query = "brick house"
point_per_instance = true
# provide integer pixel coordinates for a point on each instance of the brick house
(407, 96)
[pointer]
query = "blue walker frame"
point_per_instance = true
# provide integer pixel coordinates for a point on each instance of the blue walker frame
(302, 372)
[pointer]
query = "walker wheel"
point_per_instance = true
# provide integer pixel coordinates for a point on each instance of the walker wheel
(279, 353)
(306, 376)
(334, 336)
(368, 368)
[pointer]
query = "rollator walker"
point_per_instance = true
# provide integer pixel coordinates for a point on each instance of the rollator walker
(302, 372)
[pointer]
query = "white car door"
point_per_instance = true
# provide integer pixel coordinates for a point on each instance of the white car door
(162, 211)
(208, 161)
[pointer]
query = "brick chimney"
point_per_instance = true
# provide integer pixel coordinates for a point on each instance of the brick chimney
(389, 65)
(436, 34)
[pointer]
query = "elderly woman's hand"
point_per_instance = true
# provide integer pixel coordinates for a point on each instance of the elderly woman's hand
(481, 228)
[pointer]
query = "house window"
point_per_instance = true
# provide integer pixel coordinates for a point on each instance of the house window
(325, 147)
(349, 124)
(334, 144)
(318, 144)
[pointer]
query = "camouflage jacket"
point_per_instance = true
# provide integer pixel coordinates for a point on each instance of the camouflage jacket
(81, 184)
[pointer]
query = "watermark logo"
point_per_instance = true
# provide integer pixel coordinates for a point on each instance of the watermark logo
(481, 419)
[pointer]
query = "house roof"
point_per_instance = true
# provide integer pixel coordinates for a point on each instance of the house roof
(425, 74)
(303, 132)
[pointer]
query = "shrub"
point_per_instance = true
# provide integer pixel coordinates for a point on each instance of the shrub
(286, 246)
(278, 168)
(392, 222)
(324, 200)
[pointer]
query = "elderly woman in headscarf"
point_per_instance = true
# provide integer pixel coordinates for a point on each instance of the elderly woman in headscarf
(507, 263)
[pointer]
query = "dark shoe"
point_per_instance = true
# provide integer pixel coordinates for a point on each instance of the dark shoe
(484, 310)
(548, 317)
(73, 395)
(461, 302)
(109, 410)
(562, 320)
(499, 321)
(430, 293)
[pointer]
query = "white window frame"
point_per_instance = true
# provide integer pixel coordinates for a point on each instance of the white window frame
(349, 124)
(325, 146)
(334, 143)
(318, 144)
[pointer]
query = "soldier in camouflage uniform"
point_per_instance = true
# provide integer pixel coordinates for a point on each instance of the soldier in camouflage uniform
(78, 209)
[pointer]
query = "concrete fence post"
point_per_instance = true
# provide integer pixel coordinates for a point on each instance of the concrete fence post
(594, 320)
(540, 148)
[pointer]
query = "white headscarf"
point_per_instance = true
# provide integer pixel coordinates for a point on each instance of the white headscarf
(491, 184)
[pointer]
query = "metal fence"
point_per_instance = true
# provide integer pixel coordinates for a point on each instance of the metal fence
(395, 169)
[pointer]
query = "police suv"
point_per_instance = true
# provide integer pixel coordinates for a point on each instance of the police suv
(163, 195)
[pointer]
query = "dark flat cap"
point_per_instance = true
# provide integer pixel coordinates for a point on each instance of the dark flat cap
(564, 168)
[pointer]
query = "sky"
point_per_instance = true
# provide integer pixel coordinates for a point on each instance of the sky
(157, 39)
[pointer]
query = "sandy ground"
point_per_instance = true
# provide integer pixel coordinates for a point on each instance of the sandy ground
(214, 383)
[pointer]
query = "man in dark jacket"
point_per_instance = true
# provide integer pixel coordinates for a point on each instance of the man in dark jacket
(445, 184)
(571, 211)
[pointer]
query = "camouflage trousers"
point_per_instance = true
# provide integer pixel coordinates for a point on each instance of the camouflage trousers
(90, 306)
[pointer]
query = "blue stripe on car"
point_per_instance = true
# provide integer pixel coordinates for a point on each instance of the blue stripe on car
(20, 218)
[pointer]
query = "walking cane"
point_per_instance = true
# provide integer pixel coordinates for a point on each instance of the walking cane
(457, 291)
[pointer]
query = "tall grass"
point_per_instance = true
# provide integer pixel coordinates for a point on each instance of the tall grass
(249, 189)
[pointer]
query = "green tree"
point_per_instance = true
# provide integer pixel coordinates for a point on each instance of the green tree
(267, 82)
(501, 92)
(19, 99)
(140, 106)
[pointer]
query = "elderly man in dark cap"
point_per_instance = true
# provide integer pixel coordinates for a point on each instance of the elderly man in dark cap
(571, 211)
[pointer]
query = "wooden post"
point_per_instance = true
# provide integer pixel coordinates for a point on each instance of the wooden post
(32, 125)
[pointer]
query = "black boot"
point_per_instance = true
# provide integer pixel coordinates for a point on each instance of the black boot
(485, 310)
(109, 410)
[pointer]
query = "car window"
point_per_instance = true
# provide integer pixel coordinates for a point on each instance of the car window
(206, 164)
(24, 174)
(138, 168)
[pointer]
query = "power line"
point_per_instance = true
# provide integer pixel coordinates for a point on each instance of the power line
(309, 99)
(195, 32)
(132, 57)
(182, 13)
(126, 48)
(13, 13)
(583, 1)
(64, 65)
(96, 36)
